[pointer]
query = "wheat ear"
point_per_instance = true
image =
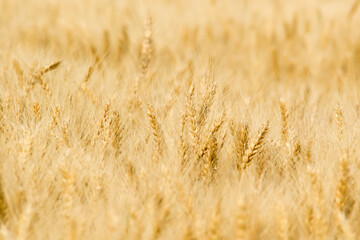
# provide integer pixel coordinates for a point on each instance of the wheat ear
(156, 132)
(343, 199)
(256, 147)
(147, 46)
(284, 122)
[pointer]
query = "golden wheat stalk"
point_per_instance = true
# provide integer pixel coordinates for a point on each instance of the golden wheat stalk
(183, 148)
(241, 135)
(191, 116)
(206, 105)
(48, 68)
(215, 128)
(343, 198)
(88, 74)
(256, 147)
(156, 131)
(147, 46)
(284, 122)
(37, 77)
(117, 128)
(37, 114)
(19, 72)
(104, 119)
(3, 205)
(340, 122)
(55, 118)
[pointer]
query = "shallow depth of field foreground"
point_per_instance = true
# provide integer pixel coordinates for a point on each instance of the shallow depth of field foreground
(208, 119)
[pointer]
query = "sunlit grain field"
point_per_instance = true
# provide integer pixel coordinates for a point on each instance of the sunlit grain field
(208, 119)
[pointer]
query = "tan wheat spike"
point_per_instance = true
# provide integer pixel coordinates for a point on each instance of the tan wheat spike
(37, 77)
(97, 64)
(183, 146)
(155, 129)
(284, 122)
(117, 127)
(206, 105)
(218, 123)
(104, 118)
(88, 74)
(3, 204)
(215, 128)
(147, 46)
(256, 147)
(210, 162)
(340, 122)
(46, 89)
(37, 114)
(48, 68)
(65, 134)
(343, 199)
(55, 117)
(19, 72)
(316, 188)
(316, 224)
(241, 135)
(213, 156)
(97, 58)
(191, 113)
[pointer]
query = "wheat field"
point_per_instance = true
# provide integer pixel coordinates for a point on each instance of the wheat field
(206, 119)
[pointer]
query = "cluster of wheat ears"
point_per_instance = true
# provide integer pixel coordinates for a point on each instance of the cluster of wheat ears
(179, 119)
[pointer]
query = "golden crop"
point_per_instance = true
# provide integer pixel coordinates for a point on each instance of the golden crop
(179, 119)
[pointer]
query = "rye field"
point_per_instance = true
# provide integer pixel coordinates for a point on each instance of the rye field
(179, 119)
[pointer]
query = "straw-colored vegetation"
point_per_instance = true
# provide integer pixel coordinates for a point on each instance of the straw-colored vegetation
(184, 119)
